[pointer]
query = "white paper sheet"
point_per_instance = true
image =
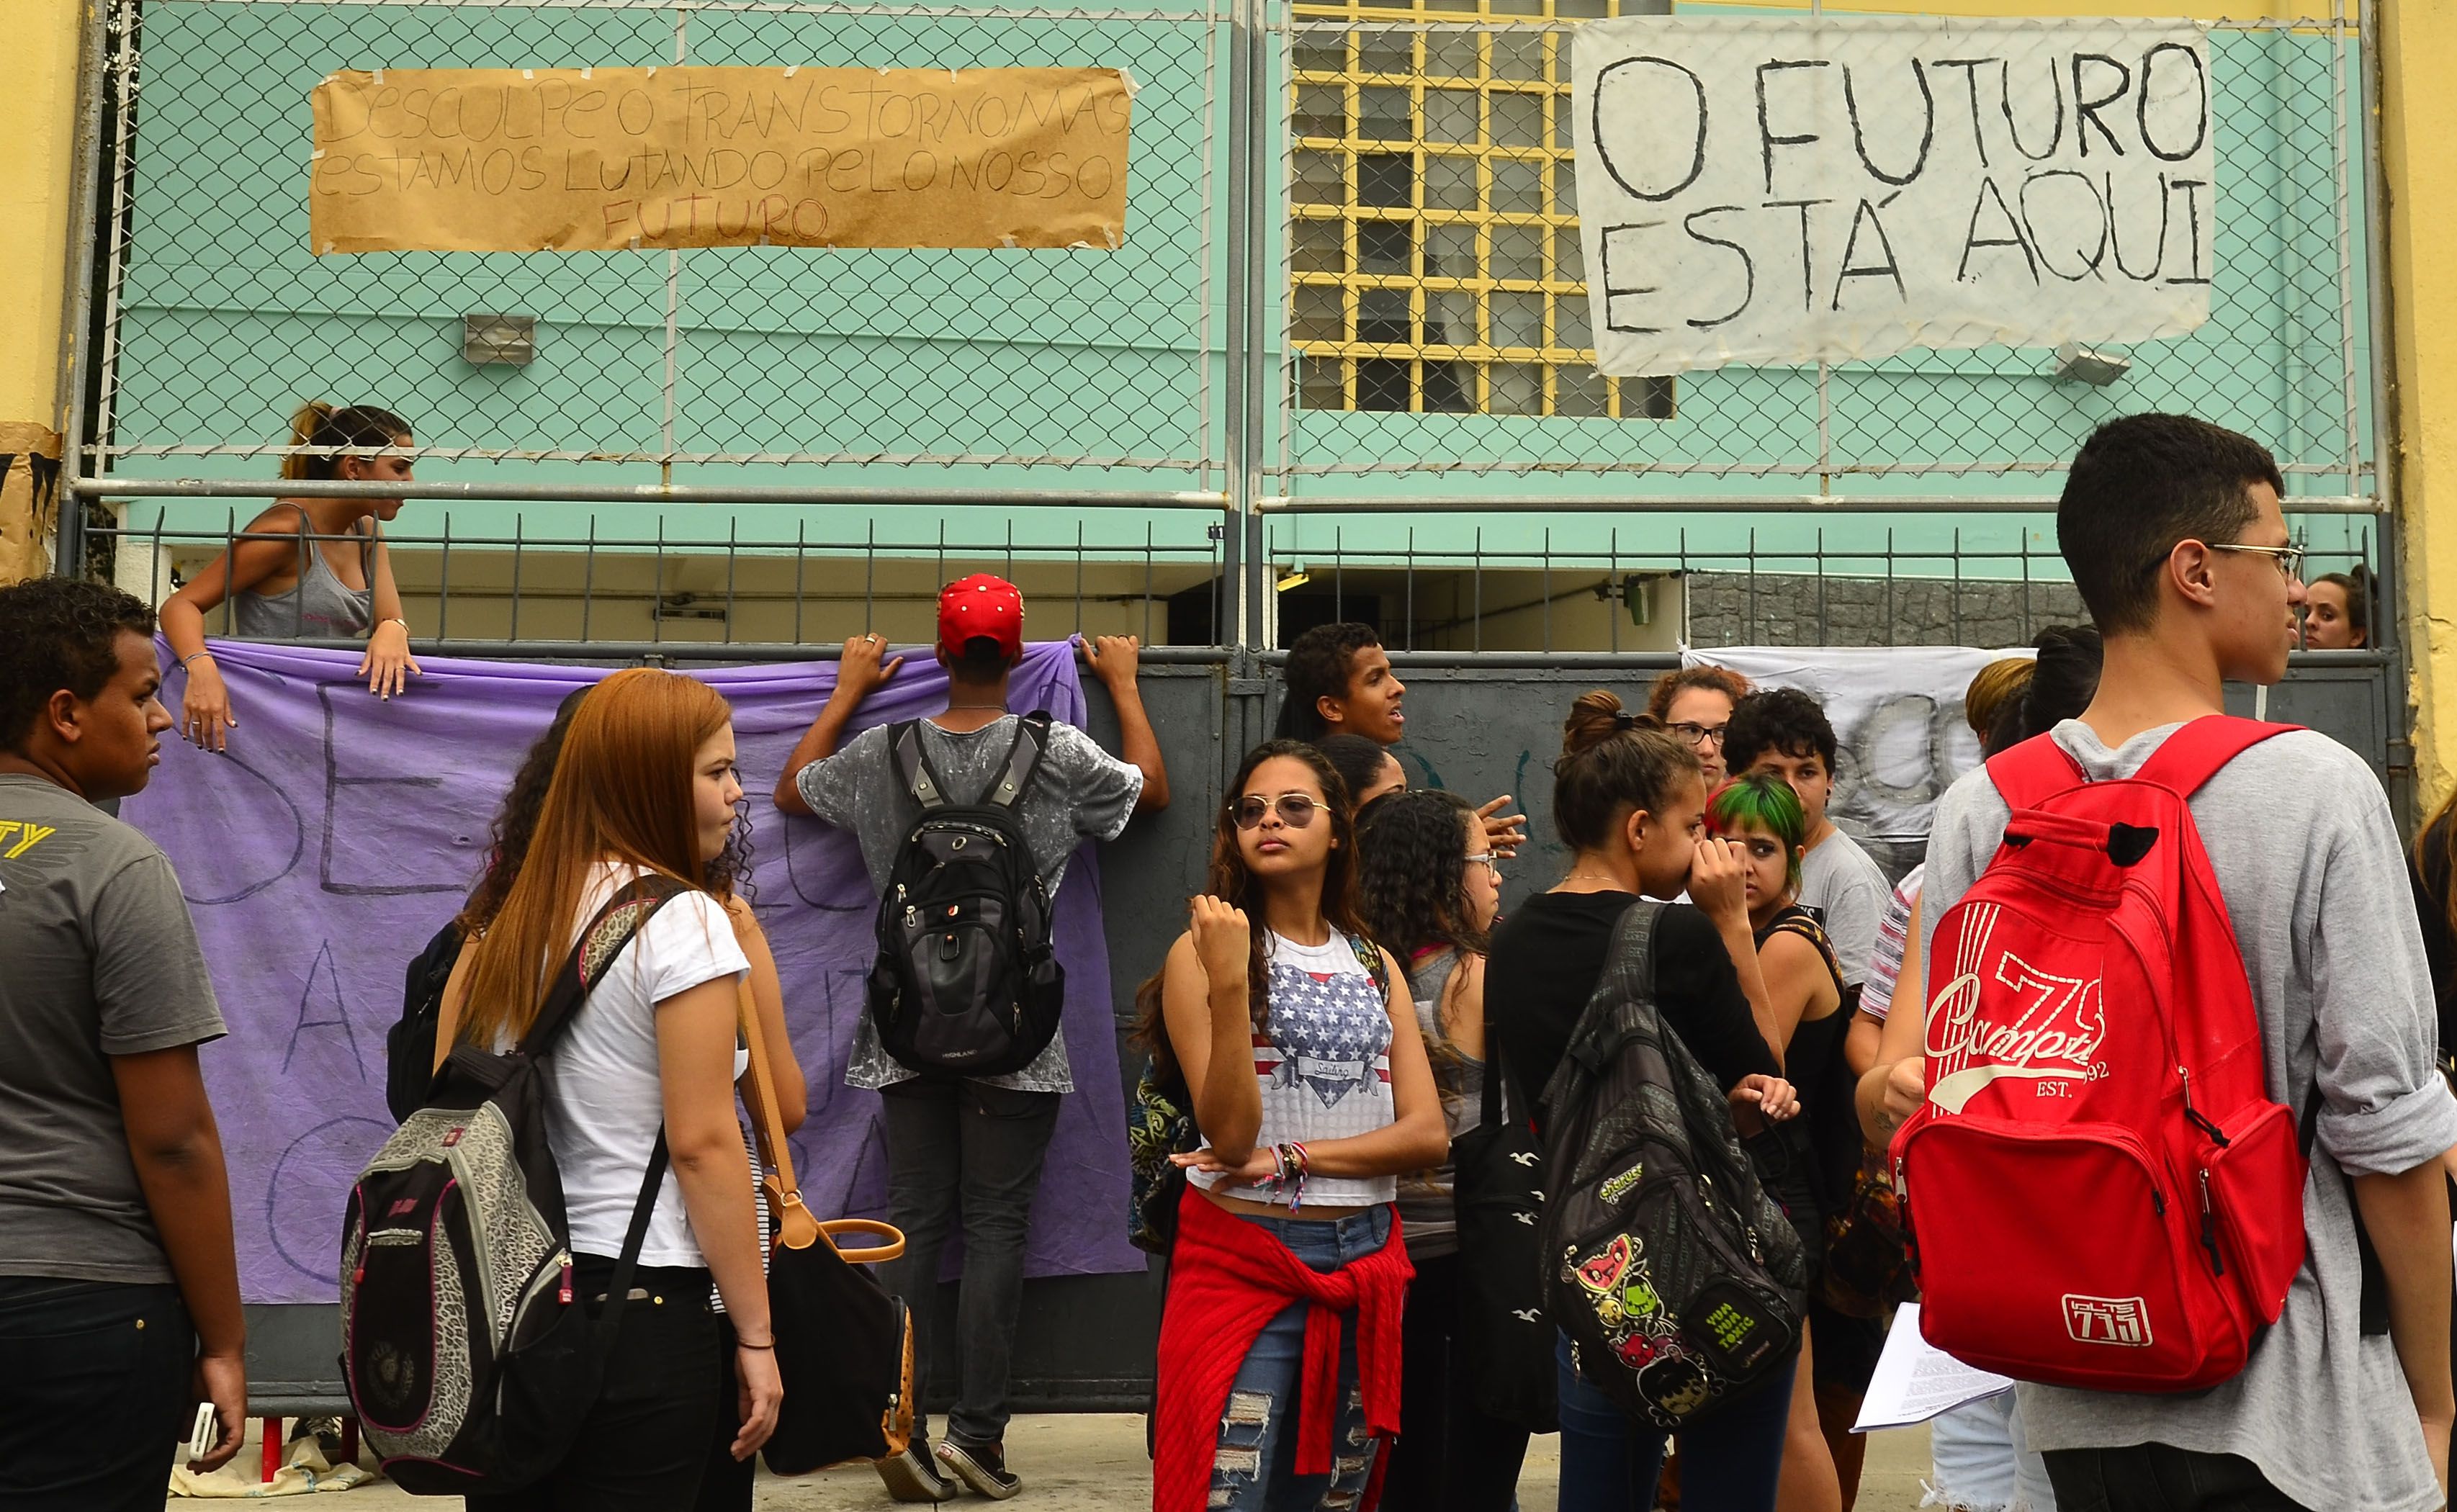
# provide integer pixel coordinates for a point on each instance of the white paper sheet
(1916, 1382)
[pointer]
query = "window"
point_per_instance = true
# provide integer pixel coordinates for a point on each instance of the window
(1433, 246)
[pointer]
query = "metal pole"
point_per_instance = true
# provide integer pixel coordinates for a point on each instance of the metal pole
(2343, 172)
(1237, 351)
(77, 316)
(673, 299)
(939, 498)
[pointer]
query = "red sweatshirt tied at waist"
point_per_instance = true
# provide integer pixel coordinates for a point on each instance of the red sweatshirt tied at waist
(1227, 1280)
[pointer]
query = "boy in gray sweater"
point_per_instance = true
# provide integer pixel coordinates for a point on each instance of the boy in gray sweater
(2174, 534)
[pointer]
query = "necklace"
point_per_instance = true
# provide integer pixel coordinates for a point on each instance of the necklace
(1613, 882)
(975, 707)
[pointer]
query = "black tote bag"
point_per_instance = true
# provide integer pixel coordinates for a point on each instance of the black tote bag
(844, 1346)
(1498, 1189)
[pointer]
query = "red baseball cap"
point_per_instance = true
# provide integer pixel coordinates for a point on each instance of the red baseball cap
(981, 606)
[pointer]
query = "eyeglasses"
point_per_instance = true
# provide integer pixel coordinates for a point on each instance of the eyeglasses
(1489, 862)
(1296, 810)
(2287, 559)
(1701, 734)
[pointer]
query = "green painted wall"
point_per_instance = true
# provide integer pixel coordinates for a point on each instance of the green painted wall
(227, 320)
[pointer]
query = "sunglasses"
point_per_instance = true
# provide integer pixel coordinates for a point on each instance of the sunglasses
(1296, 810)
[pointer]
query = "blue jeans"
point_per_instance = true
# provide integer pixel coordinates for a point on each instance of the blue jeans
(1254, 1468)
(1728, 1463)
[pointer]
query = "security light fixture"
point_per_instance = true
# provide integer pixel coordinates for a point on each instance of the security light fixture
(499, 340)
(2076, 364)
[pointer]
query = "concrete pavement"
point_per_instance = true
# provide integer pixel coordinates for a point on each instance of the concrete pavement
(1094, 1463)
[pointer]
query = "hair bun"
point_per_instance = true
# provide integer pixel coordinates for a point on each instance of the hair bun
(1597, 716)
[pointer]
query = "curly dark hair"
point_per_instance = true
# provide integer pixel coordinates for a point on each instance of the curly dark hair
(59, 634)
(1230, 880)
(1411, 872)
(516, 825)
(516, 822)
(1783, 721)
(1319, 663)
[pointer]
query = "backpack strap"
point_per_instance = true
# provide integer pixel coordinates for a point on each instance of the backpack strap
(2371, 1307)
(1630, 954)
(2028, 775)
(618, 1292)
(2195, 754)
(622, 918)
(913, 766)
(1369, 957)
(1006, 790)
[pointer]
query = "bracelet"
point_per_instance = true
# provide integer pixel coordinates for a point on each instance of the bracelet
(192, 656)
(395, 619)
(744, 1343)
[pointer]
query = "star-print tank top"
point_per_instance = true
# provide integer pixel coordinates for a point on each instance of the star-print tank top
(1324, 1060)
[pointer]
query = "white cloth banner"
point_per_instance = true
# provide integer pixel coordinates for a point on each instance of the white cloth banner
(1899, 732)
(1801, 190)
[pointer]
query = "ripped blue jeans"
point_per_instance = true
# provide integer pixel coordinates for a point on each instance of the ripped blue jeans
(1254, 1467)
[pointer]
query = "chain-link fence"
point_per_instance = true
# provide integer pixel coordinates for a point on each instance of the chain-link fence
(220, 320)
(1341, 360)
(1439, 316)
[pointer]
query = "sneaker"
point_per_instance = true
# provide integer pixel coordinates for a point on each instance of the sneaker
(982, 1467)
(911, 1476)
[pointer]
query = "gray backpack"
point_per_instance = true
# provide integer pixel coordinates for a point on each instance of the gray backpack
(468, 1359)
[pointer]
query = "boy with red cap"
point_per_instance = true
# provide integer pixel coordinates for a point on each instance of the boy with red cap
(980, 1140)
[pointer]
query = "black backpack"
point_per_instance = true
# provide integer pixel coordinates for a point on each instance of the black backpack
(967, 983)
(468, 1357)
(409, 1045)
(1679, 1281)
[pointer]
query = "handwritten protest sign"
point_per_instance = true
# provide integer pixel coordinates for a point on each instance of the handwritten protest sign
(1794, 191)
(582, 159)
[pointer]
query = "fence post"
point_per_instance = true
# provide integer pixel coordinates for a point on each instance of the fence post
(77, 308)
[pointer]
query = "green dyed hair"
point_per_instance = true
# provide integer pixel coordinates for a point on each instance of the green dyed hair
(1763, 802)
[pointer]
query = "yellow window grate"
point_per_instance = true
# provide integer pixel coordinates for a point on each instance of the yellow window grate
(1433, 258)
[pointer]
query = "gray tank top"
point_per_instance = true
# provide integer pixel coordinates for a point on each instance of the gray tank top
(319, 607)
(1426, 1209)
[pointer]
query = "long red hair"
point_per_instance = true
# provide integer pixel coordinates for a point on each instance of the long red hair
(622, 792)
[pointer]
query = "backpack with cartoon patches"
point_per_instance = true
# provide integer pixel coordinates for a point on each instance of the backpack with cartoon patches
(1678, 1280)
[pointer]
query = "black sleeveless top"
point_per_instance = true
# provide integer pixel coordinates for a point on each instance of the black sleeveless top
(1814, 1065)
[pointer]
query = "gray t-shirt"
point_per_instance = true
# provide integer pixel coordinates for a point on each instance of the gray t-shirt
(1079, 793)
(97, 958)
(2299, 832)
(1850, 893)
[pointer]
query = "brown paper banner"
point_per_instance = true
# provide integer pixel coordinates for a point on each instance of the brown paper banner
(29, 499)
(583, 160)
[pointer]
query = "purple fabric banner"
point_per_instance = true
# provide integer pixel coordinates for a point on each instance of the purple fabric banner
(341, 831)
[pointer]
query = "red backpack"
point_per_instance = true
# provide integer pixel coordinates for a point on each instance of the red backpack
(2099, 1191)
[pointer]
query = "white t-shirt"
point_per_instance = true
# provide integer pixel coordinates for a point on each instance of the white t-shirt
(605, 1101)
(1324, 1060)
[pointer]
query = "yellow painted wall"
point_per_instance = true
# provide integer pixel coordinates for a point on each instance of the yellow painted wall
(37, 148)
(2418, 48)
(38, 123)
